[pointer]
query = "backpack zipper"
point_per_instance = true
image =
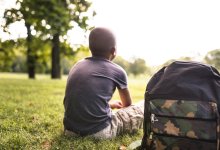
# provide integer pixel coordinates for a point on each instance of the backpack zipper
(154, 118)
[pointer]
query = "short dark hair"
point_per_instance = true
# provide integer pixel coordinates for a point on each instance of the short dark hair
(101, 41)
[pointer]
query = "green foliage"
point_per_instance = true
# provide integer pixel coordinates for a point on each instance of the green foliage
(213, 58)
(67, 61)
(31, 115)
(136, 67)
(57, 15)
(19, 64)
(13, 54)
(122, 62)
(25, 11)
(9, 51)
(49, 19)
(42, 50)
(6, 55)
(66, 65)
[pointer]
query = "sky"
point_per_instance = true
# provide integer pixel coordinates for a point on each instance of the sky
(156, 30)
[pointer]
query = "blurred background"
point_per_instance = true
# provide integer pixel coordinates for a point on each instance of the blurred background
(50, 36)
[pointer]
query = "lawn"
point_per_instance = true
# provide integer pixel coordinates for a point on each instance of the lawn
(31, 115)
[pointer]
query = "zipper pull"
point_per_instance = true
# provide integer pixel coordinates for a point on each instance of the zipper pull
(153, 118)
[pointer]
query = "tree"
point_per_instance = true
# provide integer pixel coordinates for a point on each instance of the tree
(25, 11)
(12, 55)
(213, 58)
(138, 67)
(59, 16)
(50, 19)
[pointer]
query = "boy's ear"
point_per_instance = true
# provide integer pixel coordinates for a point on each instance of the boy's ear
(113, 51)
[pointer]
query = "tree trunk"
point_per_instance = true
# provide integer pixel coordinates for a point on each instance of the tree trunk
(31, 61)
(56, 69)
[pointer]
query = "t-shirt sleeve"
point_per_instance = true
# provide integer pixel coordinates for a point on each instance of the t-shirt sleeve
(121, 80)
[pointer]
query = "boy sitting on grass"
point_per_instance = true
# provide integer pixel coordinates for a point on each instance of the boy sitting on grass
(90, 86)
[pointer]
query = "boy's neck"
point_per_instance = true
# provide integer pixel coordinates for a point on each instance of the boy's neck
(100, 56)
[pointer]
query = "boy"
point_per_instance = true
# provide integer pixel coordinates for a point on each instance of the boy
(90, 86)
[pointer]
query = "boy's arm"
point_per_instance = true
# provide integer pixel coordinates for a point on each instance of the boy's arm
(125, 97)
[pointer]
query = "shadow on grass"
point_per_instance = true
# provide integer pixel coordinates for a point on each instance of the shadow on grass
(88, 143)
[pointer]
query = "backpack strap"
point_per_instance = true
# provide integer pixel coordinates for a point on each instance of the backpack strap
(146, 126)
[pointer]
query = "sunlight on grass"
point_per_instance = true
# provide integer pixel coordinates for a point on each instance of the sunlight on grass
(31, 114)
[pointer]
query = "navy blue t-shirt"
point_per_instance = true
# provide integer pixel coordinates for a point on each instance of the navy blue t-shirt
(90, 85)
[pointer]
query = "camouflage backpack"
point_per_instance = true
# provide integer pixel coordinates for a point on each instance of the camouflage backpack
(182, 108)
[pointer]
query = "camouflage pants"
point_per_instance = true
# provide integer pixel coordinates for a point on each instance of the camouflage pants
(125, 120)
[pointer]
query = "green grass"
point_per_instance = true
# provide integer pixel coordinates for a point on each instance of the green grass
(31, 115)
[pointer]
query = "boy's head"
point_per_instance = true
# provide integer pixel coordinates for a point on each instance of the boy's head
(102, 43)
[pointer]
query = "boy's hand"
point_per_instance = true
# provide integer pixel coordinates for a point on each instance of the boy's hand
(115, 104)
